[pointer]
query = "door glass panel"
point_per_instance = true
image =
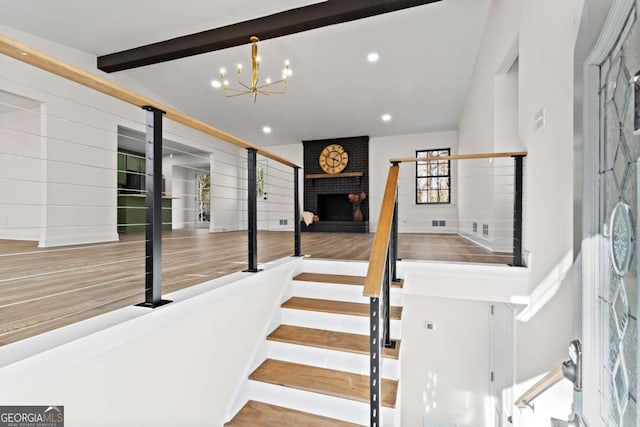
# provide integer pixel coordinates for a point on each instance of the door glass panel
(619, 153)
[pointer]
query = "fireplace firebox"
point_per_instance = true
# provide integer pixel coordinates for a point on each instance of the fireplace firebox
(335, 207)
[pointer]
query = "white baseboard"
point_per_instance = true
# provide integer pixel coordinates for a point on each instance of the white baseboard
(33, 236)
(487, 244)
(223, 228)
(50, 242)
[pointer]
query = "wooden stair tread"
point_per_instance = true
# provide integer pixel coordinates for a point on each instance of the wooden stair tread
(341, 384)
(338, 279)
(337, 307)
(341, 341)
(258, 414)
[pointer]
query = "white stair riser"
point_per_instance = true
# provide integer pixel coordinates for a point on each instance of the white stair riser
(347, 268)
(329, 359)
(333, 322)
(335, 292)
(316, 403)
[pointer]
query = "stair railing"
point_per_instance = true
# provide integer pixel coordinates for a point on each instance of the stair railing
(156, 114)
(382, 270)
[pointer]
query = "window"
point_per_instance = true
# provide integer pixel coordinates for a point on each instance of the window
(433, 177)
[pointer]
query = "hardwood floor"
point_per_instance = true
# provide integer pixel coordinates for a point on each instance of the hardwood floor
(258, 414)
(332, 340)
(326, 381)
(44, 289)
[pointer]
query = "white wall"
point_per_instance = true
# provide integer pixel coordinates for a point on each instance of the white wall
(483, 127)
(276, 205)
(547, 40)
(295, 154)
(413, 218)
(175, 366)
(544, 34)
(20, 175)
(452, 361)
(79, 150)
(542, 344)
(445, 371)
(183, 190)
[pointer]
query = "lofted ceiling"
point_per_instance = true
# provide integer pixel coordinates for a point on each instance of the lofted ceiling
(427, 54)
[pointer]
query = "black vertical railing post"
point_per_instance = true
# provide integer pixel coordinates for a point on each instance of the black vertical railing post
(252, 209)
(386, 300)
(517, 211)
(374, 361)
(297, 251)
(153, 199)
(386, 280)
(394, 242)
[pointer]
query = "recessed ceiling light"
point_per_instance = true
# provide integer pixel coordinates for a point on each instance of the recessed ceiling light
(373, 57)
(216, 84)
(386, 117)
(266, 130)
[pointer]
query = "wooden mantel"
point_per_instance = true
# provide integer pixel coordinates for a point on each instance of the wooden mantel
(334, 175)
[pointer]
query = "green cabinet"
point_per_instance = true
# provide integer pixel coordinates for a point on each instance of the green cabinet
(132, 213)
(122, 168)
(127, 163)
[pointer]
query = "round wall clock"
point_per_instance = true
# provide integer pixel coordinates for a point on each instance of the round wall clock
(333, 159)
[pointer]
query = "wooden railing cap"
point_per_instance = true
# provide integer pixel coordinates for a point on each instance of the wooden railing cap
(459, 157)
(375, 272)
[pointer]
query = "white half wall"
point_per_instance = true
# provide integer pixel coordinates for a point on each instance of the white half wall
(178, 365)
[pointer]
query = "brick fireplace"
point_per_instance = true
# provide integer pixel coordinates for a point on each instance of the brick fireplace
(327, 196)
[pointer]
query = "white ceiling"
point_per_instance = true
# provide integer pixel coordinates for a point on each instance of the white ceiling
(427, 55)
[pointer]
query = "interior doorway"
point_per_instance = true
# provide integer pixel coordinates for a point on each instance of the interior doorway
(203, 199)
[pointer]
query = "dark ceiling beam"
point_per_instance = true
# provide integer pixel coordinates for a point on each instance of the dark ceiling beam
(267, 27)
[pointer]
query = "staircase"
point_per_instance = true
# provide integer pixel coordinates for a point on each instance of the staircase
(317, 364)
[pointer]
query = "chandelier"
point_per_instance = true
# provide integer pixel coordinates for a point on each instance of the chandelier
(278, 87)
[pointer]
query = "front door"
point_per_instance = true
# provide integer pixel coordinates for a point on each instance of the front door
(610, 303)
